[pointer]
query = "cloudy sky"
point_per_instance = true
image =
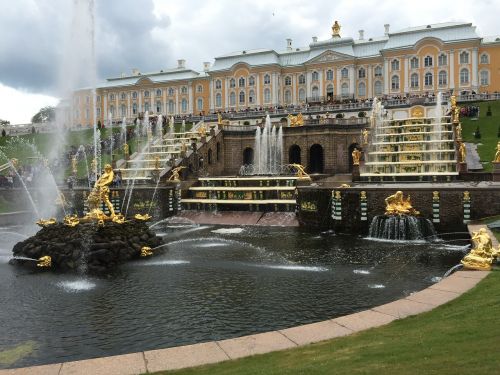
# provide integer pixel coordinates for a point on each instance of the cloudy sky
(152, 34)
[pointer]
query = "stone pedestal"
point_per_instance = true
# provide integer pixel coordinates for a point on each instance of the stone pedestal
(212, 130)
(462, 168)
(496, 171)
(355, 173)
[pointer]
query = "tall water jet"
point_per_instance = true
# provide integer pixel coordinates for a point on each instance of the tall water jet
(183, 126)
(123, 131)
(159, 126)
(268, 149)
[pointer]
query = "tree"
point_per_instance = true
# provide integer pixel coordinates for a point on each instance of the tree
(45, 114)
(4, 133)
(4, 122)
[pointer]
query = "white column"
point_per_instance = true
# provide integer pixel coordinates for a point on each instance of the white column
(352, 80)
(386, 76)
(190, 97)
(451, 64)
(406, 62)
(177, 109)
(369, 71)
(308, 84)
(338, 83)
(320, 77)
(294, 89)
(474, 68)
(257, 89)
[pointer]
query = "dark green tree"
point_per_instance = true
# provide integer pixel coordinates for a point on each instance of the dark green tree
(4, 122)
(45, 114)
(477, 133)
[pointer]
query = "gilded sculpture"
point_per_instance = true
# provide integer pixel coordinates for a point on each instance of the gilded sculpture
(462, 151)
(482, 254)
(365, 134)
(300, 171)
(100, 193)
(46, 222)
(219, 119)
(296, 120)
(144, 217)
(125, 149)
(175, 174)
(146, 251)
(336, 29)
(496, 159)
(458, 132)
(356, 156)
(45, 261)
(396, 204)
(71, 220)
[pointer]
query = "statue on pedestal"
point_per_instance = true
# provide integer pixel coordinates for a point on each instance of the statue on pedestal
(365, 136)
(100, 193)
(356, 156)
(482, 254)
(458, 132)
(496, 159)
(396, 204)
(336, 29)
(462, 152)
(175, 174)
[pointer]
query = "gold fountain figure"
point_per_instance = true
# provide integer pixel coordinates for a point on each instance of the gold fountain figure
(336, 29)
(71, 221)
(46, 222)
(144, 217)
(356, 156)
(496, 159)
(126, 149)
(296, 120)
(202, 130)
(455, 110)
(45, 261)
(175, 174)
(396, 204)
(300, 171)
(458, 132)
(482, 254)
(462, 151)
(365, 134)
(146, 251)
(100, 193)
(219, 119)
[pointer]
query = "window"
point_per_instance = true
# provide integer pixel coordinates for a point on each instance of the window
(464, 76)
(232, 83)
(232, 99)
(344, 89)
(395, 82)
(99, 98)
(123, 96)
(428, 61)
(134, 109)
(442, 78)
(378, 71)
(414, 80)
(184, 90)
(170, 91)
(484, 77)
(464, 57)
(123, 110)
(485, 59)
(184, 105)
(428, 79)
(329, 75)
(171, 106)
(329, 89)
(242, 97)
(98, 112)
(361, 73)
(315, 93)
(199, 89)
(112, 111)
(414, 63)
(158, 107)
(288, 97)
(302, 95)
(361, 89)
(251, 96)
(87, 99)
(218, 100)
(267, 79)
(158, 92)
(146, 94)
(395, 65)
(315, 76)
(241, 82)
(267, 96)
(288, 81)
(112, 97)
(251, 81)
(199, 104)
(344, 73)
(442, 60)
(378, 88)
(218, 84)
(146, 107)
(302, 79)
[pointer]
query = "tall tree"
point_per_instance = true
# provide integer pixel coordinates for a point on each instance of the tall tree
(45, 114)
(4, 122)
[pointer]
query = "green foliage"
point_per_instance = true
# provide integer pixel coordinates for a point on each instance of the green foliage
(4, 122)
(362, 114)
(339, 115)
(477, 133)
(45, 114)
(488, 112)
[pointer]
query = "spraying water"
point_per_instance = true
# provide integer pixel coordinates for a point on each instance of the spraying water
(268, 149)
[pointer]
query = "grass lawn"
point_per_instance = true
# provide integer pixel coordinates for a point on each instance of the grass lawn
(488, 126)
(460, 337)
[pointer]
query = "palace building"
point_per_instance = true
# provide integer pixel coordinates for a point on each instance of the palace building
(414, 61)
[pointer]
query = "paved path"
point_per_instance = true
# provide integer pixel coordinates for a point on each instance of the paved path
(472, 157)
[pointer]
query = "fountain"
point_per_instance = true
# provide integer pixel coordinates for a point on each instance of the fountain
(482, 254)
(268, 149)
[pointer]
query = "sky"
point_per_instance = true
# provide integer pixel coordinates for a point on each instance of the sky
(153, 34)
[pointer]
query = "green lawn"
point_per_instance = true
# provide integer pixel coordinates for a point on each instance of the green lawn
(489, 127)
(460, 337)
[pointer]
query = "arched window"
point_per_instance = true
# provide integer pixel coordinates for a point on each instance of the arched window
(267, 95)
(329, 91)
(464, 76)
(378, 71)
(232, 99)
(111, 96)
(184, 90)
(302, 95)
(158, 92)
(199, 89)
(315, 93)
(123, 96)
(395, 82)
(232, 83)
(315, 76)
(251, 81)
(267, 79)
(171, 91)
(294, 156)
(171, 106)
(134, 95)
(146, 107)
(485, 59)
(378, 88)
(87, 114)
(395, 64)
(414, 62)
(241, 82)
(248, 156)
(218, 84)
(484, 77)
(134, 109)
(361, 89)
(414, 80)
(124, 110)
(302, 79)
(98, 112)
(112, 111)
(316, 159)
(199, 104)
(464, 57)
(251, 97)
(344, 89)
(288, 97)
(442, 60)
(209, 156)
(428, 61)
(344, 73)
(158, 107)
(329, 75)
(361, 73)
(218, 100)
(184, 105)
(146, 94)
(428, 79)
(442, 78)
(288, 81)
(242, 97)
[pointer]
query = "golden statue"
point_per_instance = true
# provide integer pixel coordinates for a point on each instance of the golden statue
(146, 251)
(74, 164)
(362, 195)
(466, 197)
(300, 171)
(435, 196)
(482, 254)
(365, 134)
(45, 261)
(100, 193)
(46, 223)
(462, 151)
(175, 174)
(338, 195)
(183, 147)
(144, 217)
(458, 132)
(356, 156)
(14, 162)
(119, 219)
(345, 186)
(71, 221)
(496, 159)
(219, 119)
(296, 120)
(453, 101)
(396, 204)
(202, 130)
(126, 149)
(336, 29)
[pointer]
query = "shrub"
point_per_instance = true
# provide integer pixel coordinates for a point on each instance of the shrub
(477, 133)
(339, 115)
(362, 114)
(4, 133)
(488, 112)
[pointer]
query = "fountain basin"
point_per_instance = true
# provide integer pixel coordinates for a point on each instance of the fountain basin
(402, 227)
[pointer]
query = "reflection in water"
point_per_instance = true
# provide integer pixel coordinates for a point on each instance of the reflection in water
(208, 286)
